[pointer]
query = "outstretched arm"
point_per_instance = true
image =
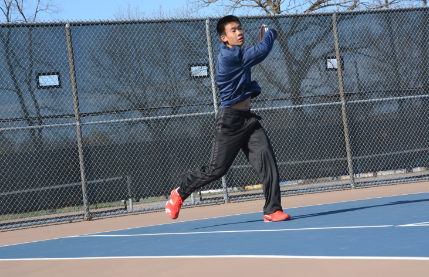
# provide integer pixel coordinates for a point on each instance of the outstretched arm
(256, 54)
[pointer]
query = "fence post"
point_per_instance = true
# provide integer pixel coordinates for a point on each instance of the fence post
(343, 101)
(130, 191)
(78, 123)
(215, 103)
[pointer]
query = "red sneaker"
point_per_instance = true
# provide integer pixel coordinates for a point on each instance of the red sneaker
(172, 208)
(276, 216)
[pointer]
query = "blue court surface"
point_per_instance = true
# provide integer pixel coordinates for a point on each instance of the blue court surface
(388, 227)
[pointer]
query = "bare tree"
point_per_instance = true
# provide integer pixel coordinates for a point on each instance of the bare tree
(133, 12)
(23, 11)
(145, 74)
(129, 12)
(149, 72)
(27, 10)
(271, 7)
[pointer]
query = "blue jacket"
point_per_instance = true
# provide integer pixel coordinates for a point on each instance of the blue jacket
(233, 76)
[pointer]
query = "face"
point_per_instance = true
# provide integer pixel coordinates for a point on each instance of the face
(234, 35)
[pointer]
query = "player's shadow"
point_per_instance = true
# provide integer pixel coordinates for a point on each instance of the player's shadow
(322, 213)
(359, 208)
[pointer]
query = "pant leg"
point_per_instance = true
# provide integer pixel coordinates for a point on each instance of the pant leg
(260, 154)
(228, 138)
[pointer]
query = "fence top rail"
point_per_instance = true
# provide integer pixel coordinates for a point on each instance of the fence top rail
(190, 19)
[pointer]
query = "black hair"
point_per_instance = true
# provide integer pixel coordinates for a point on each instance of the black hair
(220, 28)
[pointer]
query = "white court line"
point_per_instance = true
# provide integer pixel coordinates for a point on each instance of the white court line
(415, 224)
(241, 231)
(229, 256)
(423, 192)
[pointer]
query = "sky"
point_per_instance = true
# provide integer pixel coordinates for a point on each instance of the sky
(105, 9)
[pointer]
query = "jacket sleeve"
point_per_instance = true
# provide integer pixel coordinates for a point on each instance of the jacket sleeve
(253, 55)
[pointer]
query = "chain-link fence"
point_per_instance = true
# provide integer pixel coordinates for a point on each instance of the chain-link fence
(100, 118)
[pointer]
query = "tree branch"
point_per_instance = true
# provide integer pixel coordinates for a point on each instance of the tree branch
(306, 6)
(7, 7)
(20, 9)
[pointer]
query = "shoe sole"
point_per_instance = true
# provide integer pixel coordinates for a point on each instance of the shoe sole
(268, 220)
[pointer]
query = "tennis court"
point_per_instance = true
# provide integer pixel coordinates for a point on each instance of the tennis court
(377, 226)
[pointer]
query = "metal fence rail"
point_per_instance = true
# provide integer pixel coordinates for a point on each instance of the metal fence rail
(101, 118)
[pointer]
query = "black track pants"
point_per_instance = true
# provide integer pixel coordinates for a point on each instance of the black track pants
(237, 130)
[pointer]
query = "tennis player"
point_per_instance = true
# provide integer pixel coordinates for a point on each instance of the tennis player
(236, 126)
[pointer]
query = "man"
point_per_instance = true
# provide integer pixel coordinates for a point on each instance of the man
(236, 127)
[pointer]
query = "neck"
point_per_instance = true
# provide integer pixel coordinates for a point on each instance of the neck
(230, 46)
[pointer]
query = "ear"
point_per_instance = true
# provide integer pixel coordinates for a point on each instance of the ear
(224, 38)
